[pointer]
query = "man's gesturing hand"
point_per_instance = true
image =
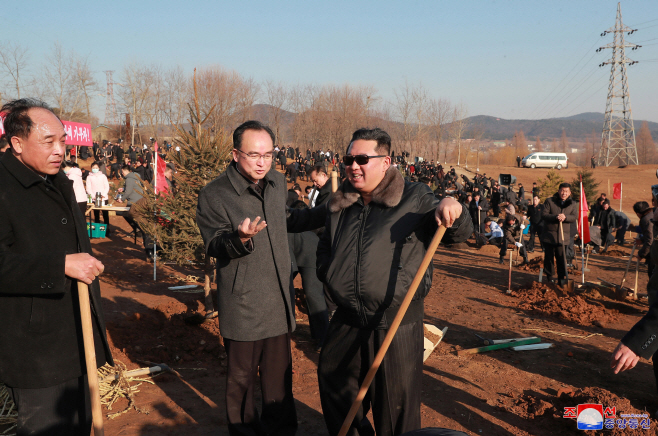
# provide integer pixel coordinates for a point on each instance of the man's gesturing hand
(447, 211)
(83, 267)
(623, 358)
(248, 229)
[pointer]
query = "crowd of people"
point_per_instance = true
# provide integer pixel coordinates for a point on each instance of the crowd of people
(356, 249)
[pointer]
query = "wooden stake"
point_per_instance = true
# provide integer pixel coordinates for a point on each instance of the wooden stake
(393, 328)
(637, 270)
(90, 359)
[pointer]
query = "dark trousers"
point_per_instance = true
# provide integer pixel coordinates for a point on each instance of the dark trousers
(554, 252)
(394, 394)
(503, 249)
(535, 229)
(106, 216)
(318, 316)
(271, 358)
(60, 410)
(621, 234)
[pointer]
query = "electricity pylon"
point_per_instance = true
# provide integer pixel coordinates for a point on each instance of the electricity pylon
(111, 117)
(618, 135)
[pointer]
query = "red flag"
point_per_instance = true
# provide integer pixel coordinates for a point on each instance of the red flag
(583, 220)
(616, 191)
(161, 184)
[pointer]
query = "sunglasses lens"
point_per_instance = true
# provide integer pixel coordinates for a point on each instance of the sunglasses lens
(360, 160)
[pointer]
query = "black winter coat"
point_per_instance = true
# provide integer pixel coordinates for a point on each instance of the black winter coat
(550, 210)
(473, 210)
(647, 234)
(376, 249)
(40, 223)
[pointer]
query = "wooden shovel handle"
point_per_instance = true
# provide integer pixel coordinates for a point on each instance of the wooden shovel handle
(90, 359)
(392, 330)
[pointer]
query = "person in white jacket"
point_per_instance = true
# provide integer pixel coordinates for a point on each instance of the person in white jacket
(97, 182)
(75, 174)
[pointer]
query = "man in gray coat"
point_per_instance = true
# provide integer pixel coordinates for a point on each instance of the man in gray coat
(256, 311)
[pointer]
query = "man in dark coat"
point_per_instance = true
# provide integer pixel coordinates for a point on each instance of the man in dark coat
(44, 252)
(512, 230)
(256, 309)
(303, 247)
(320, 180)
(607, 222)
(372, 246)
(535, 218)
(478, 209)
(557, 209)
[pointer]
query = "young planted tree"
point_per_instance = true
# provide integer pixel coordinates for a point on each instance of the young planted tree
(589, 184)
(171, 218)
(549, 186)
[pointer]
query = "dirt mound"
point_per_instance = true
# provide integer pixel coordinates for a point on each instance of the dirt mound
(489, 249)
(552, 300)
(458, 246)
(533, 264)
(170, 340)
(613, 252)
(528, 406)
(596, 395)
(531, 405)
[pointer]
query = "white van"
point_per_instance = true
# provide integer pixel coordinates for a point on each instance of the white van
(542, 159)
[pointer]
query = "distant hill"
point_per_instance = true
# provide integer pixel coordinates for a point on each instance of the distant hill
(576, 126)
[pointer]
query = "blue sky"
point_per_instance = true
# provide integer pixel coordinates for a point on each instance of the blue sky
(511, 59)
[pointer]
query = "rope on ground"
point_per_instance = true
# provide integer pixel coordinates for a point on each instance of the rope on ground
(8, 412)
(564, 334)
(113, 385)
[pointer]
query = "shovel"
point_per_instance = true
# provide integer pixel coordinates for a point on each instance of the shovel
(622, 292)
(566, 283)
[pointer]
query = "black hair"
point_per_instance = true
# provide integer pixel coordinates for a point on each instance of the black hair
(298, 204)
(318, 169)
(250, 125)
(126, 167)
(424, 179)
(564, 185)
(17, 122)
(97, 163)
(308, 188)
(640, 207)
(67, 164)
(383, 139)
(606, 201)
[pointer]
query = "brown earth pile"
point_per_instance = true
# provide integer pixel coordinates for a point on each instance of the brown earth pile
(490, 248)
(613, 252)
(533, 406)
(553, 301)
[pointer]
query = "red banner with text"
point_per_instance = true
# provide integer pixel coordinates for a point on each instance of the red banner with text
(76, 133)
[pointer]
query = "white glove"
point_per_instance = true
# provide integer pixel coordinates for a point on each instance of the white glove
(518, 244)
(522, 226)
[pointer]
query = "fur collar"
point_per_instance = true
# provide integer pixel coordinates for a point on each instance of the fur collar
(388, 193)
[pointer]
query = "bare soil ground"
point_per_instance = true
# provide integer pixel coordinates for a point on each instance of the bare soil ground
(496, 393)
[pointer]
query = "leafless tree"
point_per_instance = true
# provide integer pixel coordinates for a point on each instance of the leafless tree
(437, 118)
(458, 126)
(13, 61)
(277, 97)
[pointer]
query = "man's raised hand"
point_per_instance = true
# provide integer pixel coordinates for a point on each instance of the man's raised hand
(447, 212)
(248, 229)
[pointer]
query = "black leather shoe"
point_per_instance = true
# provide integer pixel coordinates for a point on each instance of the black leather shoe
(501, 260)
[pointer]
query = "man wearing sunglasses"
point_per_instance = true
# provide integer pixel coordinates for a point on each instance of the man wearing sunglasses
(374, 241)
(256, 308)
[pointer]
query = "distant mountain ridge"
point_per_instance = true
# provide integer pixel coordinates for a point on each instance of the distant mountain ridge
(576, 126)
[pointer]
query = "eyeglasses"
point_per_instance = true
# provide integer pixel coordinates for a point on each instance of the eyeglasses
(361, 159)
(256, 156)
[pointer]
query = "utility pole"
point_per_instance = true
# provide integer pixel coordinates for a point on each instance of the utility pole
(111, 117)
(618, 135)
